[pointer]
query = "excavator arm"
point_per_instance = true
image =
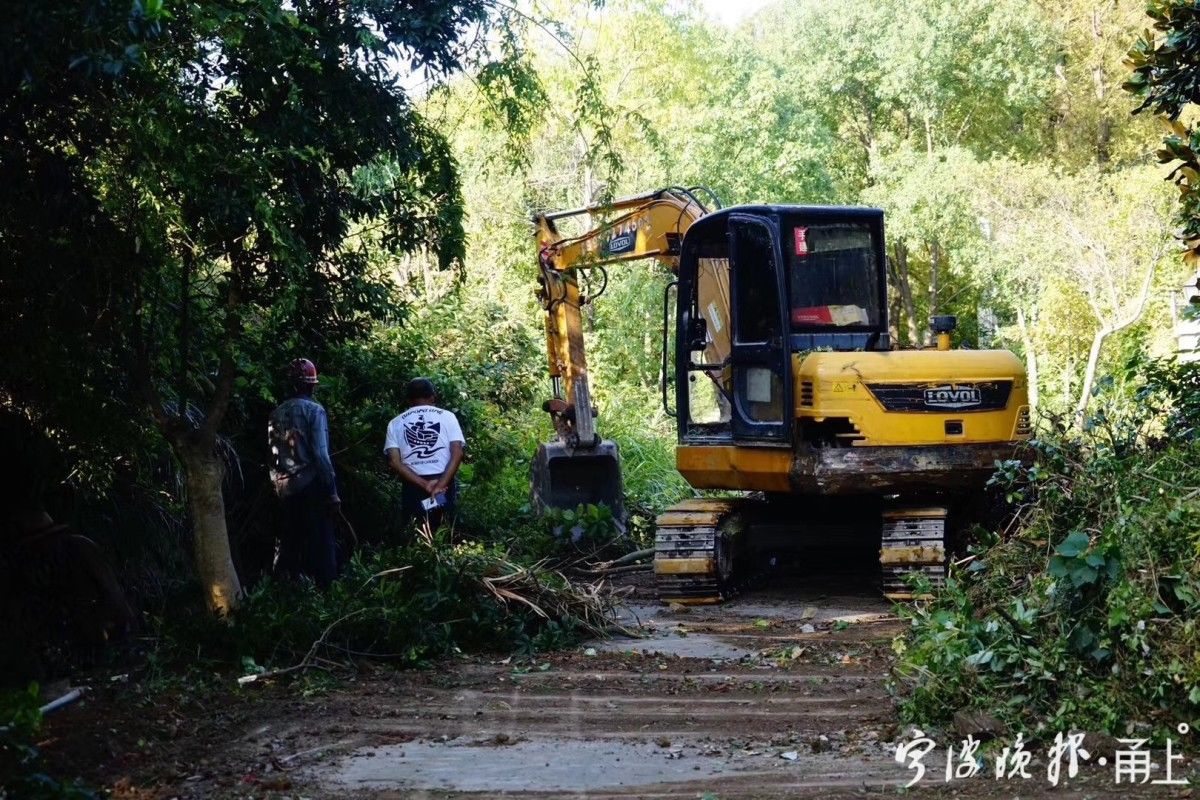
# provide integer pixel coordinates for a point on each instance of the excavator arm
(579, 466)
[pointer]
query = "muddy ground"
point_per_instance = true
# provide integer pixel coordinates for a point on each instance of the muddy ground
(780, 693)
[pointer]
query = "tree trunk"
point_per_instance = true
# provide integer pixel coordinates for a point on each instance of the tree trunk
(1104, 125)
(1104, 331)
(588, 188)
(904, 288)
(894, 313)
(1067, 379)
(1104, 141)
(1031, 366)
(203, 472)
(935, 257)
(1089, 375)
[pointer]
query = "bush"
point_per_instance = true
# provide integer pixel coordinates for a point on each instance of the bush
(406, 605)
(564, 535)
(1084, 616)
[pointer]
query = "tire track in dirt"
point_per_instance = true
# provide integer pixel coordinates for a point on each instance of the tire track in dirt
(757, 698)
(777, 694)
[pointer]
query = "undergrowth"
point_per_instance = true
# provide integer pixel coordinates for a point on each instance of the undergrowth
(407, 605)
(1082, 615)
(562, 536)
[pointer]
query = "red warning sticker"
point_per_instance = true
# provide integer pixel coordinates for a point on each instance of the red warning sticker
(801, 241)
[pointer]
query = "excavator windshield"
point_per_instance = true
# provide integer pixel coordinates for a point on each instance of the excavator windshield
(834, 274)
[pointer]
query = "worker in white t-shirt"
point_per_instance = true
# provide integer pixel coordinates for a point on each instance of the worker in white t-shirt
(424, 446)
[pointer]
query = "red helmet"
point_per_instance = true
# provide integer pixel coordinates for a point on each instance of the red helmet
(303, 371)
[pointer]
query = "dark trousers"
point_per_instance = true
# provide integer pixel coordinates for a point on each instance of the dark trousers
(306, 546)
(411, 511)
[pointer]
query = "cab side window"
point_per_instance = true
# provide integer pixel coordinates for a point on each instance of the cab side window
(757, 317)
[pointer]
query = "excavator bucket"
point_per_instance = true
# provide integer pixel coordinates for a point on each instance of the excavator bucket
(563, 477)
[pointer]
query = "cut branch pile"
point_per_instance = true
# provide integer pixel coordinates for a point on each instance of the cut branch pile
(551, 595)
(445, 599)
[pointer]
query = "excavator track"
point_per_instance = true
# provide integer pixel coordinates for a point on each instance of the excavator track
(914, 540)
(696, 541)
(694, 546)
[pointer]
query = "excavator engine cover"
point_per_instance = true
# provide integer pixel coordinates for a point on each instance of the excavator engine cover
(563, 477)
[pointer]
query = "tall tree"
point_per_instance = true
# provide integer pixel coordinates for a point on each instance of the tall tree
(1117, 227)
(1092, 121)
(934, 233)
(920, 74)
(184, 183)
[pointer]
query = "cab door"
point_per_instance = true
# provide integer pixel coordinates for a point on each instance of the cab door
(760, 354)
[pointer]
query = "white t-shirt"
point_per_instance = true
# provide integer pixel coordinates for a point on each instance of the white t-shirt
(423, 435)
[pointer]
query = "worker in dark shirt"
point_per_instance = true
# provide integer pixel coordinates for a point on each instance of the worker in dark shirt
(302, 473)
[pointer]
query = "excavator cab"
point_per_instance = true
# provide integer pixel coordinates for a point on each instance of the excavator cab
(764, 284)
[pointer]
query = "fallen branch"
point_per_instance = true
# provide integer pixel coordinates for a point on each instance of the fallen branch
(589, 605)
(310, 658)
(616, 570)
(538, 593)
(636, 555)
(629, 568)
(629, 558)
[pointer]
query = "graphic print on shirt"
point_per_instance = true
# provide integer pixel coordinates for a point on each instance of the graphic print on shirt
(422, 436)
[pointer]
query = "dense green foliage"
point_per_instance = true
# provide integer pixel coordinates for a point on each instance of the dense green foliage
(194, 193)
(1083, 615)
(407, 605)
(212, 202)
(1164, 76)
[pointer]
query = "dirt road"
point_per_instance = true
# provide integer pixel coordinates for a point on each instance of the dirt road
(758, 698)
(776, 694)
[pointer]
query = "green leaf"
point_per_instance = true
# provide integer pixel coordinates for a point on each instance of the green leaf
(1084, 575)
(1075, 543)
(979, 659)
(1082, 638)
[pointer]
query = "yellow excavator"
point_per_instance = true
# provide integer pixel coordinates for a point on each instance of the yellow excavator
(787, 391)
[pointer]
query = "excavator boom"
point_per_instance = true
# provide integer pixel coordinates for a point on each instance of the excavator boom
(578, 466)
